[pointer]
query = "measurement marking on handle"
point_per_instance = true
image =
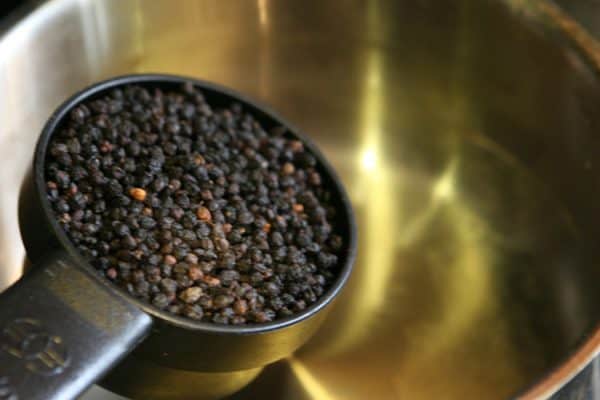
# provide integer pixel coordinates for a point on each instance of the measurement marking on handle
(29, 341)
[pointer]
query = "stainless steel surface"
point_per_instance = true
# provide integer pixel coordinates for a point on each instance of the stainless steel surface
(465, 132)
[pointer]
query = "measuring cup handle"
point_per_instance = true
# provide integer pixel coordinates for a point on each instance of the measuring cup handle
(61, 329)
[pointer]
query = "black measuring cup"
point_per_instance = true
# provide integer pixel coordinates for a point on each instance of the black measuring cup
(63, 327)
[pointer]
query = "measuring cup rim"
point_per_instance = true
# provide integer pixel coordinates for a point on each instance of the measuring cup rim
(93, 90)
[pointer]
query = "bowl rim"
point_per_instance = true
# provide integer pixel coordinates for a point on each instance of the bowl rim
(557, 378)
(582, 354)
(54, 122)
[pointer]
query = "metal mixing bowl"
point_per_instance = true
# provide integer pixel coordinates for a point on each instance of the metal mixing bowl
(465, 131)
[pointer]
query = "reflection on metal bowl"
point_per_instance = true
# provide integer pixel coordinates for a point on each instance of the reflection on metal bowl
(465, 132)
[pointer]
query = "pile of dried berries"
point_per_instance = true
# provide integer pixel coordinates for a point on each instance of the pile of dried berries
(199, 211)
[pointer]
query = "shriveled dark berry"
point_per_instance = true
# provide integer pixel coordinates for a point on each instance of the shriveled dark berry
(160, 301)
(128, 242)
(168, 286)
(229, 276)
(147, 222)
(194, 209)
(245, 218)
(264, 316)
(193, 312)
(222, 244)
(222, 301)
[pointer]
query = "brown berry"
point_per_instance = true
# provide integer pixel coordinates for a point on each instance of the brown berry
(288, 168)
(296, 146)
(240, 307)
(195, 273)
(211, 280)
(191, 294)
(138, 194)
(203, 214)
(170, 260)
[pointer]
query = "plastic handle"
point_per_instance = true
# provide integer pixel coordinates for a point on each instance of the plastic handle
(61, 330)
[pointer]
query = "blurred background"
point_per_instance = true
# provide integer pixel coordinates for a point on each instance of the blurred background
(8, 6)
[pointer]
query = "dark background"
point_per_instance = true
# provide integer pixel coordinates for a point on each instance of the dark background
(8, 5)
